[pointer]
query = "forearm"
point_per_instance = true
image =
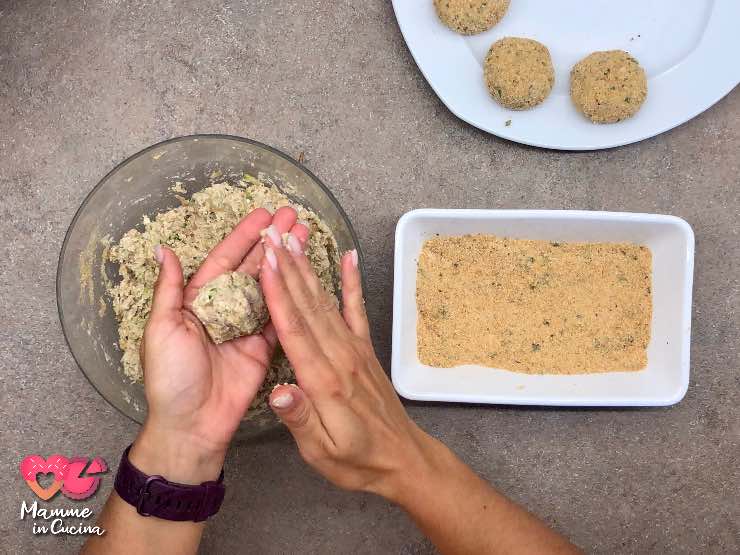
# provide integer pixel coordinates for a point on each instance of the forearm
(126, 530)
(463, 514)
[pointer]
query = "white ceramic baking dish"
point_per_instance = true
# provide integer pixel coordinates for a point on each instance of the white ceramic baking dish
(663, 382)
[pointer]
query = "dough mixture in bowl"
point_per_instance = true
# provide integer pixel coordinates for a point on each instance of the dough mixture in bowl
(191, 231)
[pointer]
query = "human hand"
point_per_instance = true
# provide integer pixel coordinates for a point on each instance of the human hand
(198, 391)
(344, 414)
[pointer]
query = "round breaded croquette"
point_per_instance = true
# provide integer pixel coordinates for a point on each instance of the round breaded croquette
(518, 72)
(608, 86)
(470, 17)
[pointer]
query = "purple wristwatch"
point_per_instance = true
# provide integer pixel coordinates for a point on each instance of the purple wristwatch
(155, 496)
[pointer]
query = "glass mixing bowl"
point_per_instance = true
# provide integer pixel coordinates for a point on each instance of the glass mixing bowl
(140, 186)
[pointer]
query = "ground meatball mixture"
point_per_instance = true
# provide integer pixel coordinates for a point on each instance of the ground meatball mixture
(191, 231)
(230, 306)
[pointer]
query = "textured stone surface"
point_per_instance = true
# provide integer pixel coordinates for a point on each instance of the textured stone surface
(84, 84)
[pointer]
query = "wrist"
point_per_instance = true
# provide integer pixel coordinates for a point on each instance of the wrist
(175, 456)
(420, 469)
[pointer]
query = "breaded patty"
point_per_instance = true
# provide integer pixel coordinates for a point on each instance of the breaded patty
(469, 17)
(518, 72)
(608, 86)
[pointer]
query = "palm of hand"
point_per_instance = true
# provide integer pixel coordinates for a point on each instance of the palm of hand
(193, 385)
(204, 386)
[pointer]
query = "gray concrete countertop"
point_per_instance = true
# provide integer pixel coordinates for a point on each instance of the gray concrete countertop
(85, 84)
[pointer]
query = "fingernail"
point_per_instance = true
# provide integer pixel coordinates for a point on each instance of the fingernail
(271, 258)
(158, 254)
(294, 245)
(282, 401)
(274, 236)
(353, 254)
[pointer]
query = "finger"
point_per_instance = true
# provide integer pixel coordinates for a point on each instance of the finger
(314, 304)
(168, 291)
(291, 327)
(301, 231)
(270, 336)
(322, 301)
(314, 348)
(353, 304)
(229, 253)
(285, 217)
(297, 248)
(283, 220)
(298, 413)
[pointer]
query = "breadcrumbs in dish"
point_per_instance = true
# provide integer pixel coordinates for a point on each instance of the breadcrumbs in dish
(536, 307)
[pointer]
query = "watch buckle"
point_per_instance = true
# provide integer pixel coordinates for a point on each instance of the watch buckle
(144, 493)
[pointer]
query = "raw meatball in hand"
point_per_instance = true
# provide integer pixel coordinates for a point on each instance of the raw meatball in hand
(230, 306)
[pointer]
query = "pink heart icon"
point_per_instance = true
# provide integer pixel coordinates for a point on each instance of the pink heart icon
(34, 465)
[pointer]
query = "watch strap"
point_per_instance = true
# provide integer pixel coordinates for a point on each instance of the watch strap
(157, 496)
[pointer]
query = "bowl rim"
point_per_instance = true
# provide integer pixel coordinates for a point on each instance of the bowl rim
(91, 193)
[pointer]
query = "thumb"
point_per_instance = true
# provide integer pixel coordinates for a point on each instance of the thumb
(298, 413)
(168, 291)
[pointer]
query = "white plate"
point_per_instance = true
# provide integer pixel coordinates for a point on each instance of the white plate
(663, 382)
(689, 50)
